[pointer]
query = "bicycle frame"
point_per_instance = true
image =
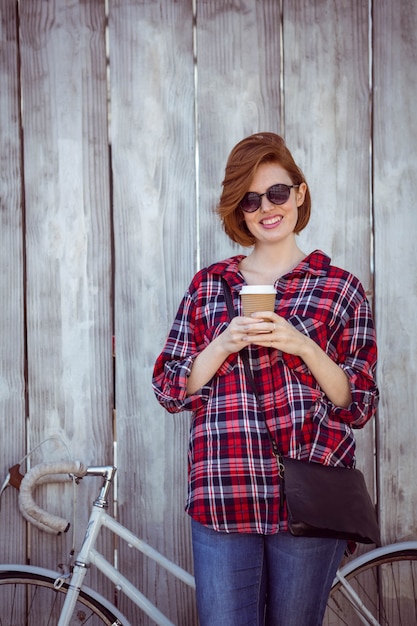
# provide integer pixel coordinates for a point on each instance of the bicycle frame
(89, 555)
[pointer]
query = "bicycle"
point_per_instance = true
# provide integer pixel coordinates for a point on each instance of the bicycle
(377, 588)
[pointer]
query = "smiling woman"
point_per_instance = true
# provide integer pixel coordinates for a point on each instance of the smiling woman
(243, 162)
(273, 221)
(313, 360)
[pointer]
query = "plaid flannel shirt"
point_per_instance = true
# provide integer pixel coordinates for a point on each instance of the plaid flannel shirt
(233, 475)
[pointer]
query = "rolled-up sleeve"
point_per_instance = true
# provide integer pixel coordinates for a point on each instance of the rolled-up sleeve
(170, 385)
(173, 365)
(358, 345)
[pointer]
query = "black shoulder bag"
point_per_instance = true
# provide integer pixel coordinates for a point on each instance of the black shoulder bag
(322, 501)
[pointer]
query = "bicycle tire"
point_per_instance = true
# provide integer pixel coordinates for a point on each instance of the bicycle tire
(386, 582)
(30, 599)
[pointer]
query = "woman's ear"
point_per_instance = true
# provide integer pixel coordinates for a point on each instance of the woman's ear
(300, 193)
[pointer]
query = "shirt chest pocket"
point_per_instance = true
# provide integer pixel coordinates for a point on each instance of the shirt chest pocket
(316, 330)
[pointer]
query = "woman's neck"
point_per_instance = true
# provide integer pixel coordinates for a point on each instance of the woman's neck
(265, 264)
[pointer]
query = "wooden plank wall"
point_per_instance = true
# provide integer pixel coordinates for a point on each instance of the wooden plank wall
(113, 143)
(12, 375)
(394, 144)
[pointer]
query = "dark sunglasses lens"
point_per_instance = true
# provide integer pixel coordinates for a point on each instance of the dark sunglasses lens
(250, 202)
(278, 194)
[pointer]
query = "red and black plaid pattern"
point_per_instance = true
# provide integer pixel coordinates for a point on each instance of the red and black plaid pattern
(233, 478)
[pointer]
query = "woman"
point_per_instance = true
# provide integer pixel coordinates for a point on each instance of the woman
(313, 361)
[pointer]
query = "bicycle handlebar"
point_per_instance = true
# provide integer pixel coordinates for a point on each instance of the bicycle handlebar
(40, 474)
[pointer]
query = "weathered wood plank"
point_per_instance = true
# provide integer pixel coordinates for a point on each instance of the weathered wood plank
(12, 353)
(152, 95)
(238, 78)
(68, 240)
(395, 187)
(327, 126)
(327, 123)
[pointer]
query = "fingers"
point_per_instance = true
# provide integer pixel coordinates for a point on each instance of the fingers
(247, 327)
(266, 324)
(243, 331)
(236, 337)
(267, 316)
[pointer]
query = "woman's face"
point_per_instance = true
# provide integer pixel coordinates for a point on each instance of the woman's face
(273, 222)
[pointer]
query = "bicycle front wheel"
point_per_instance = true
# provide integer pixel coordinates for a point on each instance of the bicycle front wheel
(28, 598)
(386, 583)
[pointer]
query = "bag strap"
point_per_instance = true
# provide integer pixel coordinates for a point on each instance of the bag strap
(249, 375)
(243, 353)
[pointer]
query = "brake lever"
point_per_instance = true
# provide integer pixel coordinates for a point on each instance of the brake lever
(13, 479)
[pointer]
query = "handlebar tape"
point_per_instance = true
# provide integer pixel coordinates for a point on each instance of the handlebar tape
(46, 473)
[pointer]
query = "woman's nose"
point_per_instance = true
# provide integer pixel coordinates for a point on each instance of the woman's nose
(265, 203)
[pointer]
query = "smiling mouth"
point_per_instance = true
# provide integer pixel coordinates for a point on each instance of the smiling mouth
(271, 221)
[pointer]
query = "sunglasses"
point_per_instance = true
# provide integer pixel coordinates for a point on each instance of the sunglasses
(277, 194)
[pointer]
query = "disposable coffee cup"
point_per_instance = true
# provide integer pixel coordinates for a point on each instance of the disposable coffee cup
(257, 298)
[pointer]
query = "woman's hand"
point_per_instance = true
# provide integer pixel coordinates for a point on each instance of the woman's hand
(238, 334)
(275, 332)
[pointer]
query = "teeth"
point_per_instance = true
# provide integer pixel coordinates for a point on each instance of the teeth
(272, 220)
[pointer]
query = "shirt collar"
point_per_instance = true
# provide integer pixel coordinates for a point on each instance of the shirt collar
(229, 269)
(317, 264)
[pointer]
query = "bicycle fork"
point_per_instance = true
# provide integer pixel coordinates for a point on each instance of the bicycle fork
(362, 612)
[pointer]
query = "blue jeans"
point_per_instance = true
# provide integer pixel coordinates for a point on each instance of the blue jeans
(257, 580)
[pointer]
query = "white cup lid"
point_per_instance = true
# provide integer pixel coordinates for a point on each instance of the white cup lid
(257, 289)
